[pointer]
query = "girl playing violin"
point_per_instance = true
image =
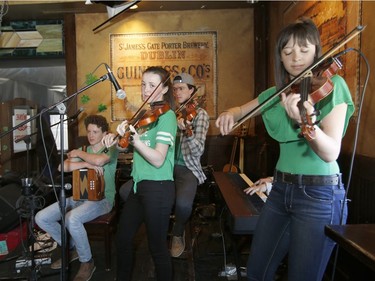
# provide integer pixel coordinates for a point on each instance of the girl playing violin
(188, 171)
(152, 196)
(307, 191)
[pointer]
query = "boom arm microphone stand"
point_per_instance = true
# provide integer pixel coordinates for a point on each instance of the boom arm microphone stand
(27, 192)
(61, 108)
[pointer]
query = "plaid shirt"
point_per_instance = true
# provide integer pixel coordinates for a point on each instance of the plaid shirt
(192, 147)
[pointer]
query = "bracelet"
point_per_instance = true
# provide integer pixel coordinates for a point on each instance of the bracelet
(268, 188)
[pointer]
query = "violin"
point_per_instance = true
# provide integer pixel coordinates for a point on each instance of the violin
(146, 118)
(316, 85)
(188, 113)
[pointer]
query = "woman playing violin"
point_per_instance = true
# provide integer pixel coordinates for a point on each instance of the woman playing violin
(307, 191)
(152, 196)
(193, 124)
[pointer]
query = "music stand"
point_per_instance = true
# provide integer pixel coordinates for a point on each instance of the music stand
(61, 108)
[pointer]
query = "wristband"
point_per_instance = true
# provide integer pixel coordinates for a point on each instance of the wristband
(268, 188)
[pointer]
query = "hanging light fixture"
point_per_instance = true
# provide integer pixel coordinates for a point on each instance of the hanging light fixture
(115, 8)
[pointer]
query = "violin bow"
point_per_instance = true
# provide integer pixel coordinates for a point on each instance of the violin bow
(328, 55)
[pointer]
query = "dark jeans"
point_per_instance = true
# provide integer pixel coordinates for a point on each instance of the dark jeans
(152, 205)
(186, 187)
(292, 222)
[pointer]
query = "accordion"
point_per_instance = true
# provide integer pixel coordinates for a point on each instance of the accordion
(87, 185)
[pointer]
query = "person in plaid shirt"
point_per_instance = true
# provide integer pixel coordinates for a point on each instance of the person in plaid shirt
(188, 173)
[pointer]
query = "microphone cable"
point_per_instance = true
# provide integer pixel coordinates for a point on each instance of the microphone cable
(360, 105)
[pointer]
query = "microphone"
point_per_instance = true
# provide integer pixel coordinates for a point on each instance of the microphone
(67, 186)
(330, 60)
(26, 138)
(343, 53)
(120, 93)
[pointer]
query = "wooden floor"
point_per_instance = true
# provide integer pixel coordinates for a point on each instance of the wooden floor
(210, 250)
(203, 259)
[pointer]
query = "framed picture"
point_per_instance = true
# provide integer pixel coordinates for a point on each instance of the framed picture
(191, 52)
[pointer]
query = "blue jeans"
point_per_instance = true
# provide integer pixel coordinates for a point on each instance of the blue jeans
(152, 205)
(186, 187)
(292, 222)
(77, 213)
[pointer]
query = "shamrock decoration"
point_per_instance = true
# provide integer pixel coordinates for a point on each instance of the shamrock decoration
(85, 99)
(102, 107)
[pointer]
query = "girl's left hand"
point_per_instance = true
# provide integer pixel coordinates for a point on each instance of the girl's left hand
(261, 185)
(290, 102)
(134, 135)
(122, 128)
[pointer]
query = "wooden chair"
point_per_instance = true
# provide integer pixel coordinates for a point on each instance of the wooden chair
(102, 228)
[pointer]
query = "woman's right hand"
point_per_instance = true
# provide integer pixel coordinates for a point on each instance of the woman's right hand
(109, 140)
(225, 122)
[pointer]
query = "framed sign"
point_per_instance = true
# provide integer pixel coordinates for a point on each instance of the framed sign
(20, 115)
(190, 52)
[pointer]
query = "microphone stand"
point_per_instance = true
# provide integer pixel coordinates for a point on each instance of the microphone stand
(27, 186)
(61, 108)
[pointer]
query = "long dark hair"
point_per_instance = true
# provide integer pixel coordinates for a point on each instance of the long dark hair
(165, 78)
(302, 30)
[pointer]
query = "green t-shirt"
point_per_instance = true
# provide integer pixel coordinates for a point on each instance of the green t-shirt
(109, 173)
(161, 131)
(179, 157)
(296, 155)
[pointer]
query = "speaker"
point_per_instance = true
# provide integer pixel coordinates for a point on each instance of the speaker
(9, 217)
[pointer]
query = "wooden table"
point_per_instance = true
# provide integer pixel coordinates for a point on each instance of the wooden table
(356, 239)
